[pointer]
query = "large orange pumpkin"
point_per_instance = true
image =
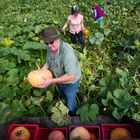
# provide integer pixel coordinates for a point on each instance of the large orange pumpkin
(35, 77)
(80, 133)
(20, 133)
(86, 32)
(120, 133)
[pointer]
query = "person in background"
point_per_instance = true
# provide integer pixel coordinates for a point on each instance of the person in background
(98, 13)
(75, 23)
(62, 61)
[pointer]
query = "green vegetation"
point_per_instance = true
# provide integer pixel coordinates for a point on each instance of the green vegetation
(110, 83)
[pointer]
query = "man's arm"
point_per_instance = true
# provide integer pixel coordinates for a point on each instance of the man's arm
(46, 66)
(64, 78)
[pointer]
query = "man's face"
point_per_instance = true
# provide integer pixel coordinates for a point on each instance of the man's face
(54, 45)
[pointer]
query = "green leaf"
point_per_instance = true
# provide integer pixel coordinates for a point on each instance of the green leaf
(104, 81)
(82, 110)
(137, 90)
(137, 43)
(22, 106)
(1, 78)
(34, 46)
(16, 114)
(119, 113)
(99, 38)
(109, 95)
(13, 77)
(3, 107)
(17, 108)
(117, 102)
(21, 54)
(100, 67)
(6, 65)
(4, 112)
(94, 108)
(37, 100)
(13, 72)
(124, 82)
(91, 88)
(104, 102)
(124, 77)
(5, 92)
(49, 96)
(38, 29)
(37, 93)
(15, 105)
(122, 99)
(12, 80)
(116, 114)
(121, 72)
(91, 39)
(106, 32)
(55, 22)
(118, 93)
(88, 112)
(60, 114)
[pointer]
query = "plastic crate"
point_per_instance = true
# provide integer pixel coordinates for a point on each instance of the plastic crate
(107, 128)
(31, 127)
(42, 133)
(64, 130)
(94, 129)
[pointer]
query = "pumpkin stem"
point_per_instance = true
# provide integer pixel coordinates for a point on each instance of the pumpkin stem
(37, 65)
(19, 132)
(25, 78)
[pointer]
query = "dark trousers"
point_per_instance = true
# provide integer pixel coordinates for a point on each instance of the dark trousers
(74, 37)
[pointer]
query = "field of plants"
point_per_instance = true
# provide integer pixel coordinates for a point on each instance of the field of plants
(110, 82)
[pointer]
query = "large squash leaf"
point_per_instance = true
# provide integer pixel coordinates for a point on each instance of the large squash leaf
(34, 46)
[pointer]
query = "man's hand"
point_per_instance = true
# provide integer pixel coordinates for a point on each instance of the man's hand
(46, 82)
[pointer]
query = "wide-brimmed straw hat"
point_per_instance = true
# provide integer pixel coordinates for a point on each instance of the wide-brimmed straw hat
(50, 34)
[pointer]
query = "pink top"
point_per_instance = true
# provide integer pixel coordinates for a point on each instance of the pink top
(75, 23)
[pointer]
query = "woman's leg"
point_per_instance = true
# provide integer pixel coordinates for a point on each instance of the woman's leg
(73, 38)
(80, 38)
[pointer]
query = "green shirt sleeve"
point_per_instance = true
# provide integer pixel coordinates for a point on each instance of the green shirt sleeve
(71, 64)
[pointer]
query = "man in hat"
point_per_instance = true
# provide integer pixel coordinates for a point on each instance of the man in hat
(63, 62)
